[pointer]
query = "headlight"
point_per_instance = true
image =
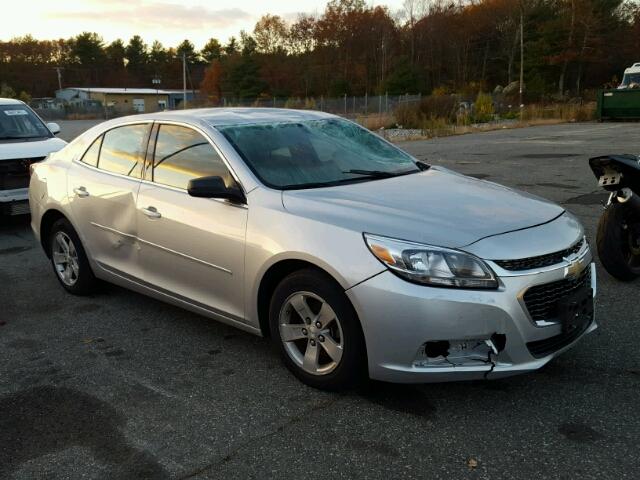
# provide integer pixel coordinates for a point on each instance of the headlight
(436, 266)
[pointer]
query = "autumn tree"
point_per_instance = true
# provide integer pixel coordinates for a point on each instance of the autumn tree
(301, 38)
(270, 34)
(353, 47)
(211, 85)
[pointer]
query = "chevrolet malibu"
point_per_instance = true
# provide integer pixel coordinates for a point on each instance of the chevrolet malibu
(354, 257)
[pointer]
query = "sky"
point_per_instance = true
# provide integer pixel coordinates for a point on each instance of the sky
(169, 21)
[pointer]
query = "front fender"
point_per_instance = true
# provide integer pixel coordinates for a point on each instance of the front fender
(274, 235)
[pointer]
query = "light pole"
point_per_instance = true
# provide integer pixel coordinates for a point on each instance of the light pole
(521, 58)
(184, 80)
(156, 81)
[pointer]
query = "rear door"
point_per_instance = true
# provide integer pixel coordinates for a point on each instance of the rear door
(103, 186)
(191, 248)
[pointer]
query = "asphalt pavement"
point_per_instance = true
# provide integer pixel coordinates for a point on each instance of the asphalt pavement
(119, 386)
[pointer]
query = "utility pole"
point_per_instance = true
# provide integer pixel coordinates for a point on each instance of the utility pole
(184, 80)
(59, 71)
(521, 56)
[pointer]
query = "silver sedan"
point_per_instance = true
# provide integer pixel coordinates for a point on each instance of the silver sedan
(355, 258)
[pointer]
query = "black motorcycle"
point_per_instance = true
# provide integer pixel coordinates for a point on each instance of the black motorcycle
(618, 236)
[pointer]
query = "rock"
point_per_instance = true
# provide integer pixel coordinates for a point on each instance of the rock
(512, 88)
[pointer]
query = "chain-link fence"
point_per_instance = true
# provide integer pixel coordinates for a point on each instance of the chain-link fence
(347, 106)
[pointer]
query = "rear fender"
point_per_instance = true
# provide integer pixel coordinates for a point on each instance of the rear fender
(615, 172)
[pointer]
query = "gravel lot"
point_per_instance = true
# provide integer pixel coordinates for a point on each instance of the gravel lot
(121, 386)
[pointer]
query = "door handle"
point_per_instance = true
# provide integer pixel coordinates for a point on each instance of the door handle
(81, 192)
(151, 212)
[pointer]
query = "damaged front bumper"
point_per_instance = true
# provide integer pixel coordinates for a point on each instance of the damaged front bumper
(420, 334)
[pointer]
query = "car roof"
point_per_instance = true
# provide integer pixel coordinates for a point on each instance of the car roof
(10, 101)
(234, 116)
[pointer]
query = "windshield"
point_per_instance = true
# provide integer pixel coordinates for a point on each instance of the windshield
(316, 153)
(19, 122)
(631, 79)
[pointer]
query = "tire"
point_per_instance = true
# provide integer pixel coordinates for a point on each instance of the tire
(340, 333)
(81, 280)
(618, 248)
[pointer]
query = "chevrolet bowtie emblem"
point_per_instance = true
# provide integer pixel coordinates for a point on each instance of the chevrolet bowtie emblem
(573, 269)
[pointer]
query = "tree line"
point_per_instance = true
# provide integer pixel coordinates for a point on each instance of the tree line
(355, 49)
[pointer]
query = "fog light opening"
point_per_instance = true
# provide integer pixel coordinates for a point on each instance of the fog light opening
(437, 349)
(461, 353)
(499, 341)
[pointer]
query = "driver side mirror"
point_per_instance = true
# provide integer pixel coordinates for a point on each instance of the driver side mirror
(53, 128)
(214, 187)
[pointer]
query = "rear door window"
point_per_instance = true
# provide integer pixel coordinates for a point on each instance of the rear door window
(90, 157)
(123, 150)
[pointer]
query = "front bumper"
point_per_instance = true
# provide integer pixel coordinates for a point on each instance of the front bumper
(399, 317)
(14, 202)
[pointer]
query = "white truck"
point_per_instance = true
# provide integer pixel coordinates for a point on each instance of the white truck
(631, 78)
(24, 139)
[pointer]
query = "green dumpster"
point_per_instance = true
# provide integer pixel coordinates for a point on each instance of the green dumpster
(619, 104)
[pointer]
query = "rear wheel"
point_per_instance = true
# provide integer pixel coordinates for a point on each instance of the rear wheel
(69, 259)
(618, 241)
(317, 332)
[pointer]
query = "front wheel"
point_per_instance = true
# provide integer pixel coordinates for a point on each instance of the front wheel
(618, 241)
(317, 332)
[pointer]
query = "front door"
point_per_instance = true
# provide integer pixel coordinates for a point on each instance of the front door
(103, 188)
(191, 248)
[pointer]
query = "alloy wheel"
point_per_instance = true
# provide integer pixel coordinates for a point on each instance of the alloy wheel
(65, 259)
(311, 333)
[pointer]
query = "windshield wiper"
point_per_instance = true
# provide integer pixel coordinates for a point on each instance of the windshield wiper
(366, 174)
(373, 173)
(330, 183)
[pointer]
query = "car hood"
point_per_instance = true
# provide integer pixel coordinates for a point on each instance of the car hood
(437, 207)
(30, 149)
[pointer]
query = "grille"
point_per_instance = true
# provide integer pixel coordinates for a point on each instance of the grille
(543, 301)
(542, 348)
(15, 208)
(540, 261)
(14, 173)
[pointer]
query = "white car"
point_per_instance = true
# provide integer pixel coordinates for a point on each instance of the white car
(24, 139)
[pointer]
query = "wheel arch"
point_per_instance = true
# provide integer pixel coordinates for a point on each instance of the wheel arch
(273, 276)
(50, 217)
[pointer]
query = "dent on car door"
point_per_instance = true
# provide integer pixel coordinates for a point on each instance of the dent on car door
(103, 187)
(191, 248)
